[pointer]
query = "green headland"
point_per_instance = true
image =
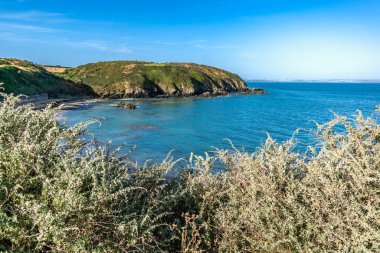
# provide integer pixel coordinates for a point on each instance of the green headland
(118, 79)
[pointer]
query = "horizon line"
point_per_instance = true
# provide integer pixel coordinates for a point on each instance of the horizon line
(333, 80)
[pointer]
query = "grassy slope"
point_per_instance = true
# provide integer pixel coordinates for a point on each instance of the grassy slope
(131, 78)
(23, 77)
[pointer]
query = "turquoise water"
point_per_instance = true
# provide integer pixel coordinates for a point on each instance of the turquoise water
(187, 125)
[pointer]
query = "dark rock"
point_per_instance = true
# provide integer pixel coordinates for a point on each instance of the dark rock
(131, 107)
(254, 91)
(258, 91)
(126, 106)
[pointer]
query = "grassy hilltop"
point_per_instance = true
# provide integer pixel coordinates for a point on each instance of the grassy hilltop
(118, 79)
(23, 77)
(147, 79)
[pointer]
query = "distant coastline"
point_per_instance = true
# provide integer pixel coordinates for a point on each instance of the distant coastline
(313, 80)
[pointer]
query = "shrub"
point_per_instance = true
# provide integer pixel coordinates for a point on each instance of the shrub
(275, 200)
(59, 193)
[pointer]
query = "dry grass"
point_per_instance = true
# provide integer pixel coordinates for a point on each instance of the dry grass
(55, 70)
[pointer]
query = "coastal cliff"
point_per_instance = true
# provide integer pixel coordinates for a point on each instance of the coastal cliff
(133, 79)
(24, 77)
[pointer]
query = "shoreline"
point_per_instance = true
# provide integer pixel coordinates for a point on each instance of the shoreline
(83, 103)
(63, 103)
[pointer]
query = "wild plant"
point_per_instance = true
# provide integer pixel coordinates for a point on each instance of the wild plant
(60, 192)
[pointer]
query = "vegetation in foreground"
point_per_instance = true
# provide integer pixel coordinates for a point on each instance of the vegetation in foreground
(61, 194)
(23, 77)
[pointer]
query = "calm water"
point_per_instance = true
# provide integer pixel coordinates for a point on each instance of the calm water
(198, 125)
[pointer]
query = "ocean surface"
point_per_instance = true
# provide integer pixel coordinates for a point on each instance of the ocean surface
(199, 125)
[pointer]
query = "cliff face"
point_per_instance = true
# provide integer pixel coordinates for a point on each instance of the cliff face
(123, 79)
(23, 77)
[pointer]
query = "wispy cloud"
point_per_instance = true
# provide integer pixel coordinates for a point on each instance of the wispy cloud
(101, 46)
(162, 42)
(94, 45)
(205, 44)
(9, 26)
(19, 38)
(249, 55)
(35, 16)
(198, 43)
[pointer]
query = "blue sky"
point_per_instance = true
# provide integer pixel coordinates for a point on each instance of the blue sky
(257, 39)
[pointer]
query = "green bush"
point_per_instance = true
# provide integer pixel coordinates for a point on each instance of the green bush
(59, 193)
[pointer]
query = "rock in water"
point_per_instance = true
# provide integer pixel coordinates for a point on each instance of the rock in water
(126, 106)
(258, 91)
(131, 107)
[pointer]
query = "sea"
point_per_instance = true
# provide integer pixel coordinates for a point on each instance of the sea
(181, 126)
